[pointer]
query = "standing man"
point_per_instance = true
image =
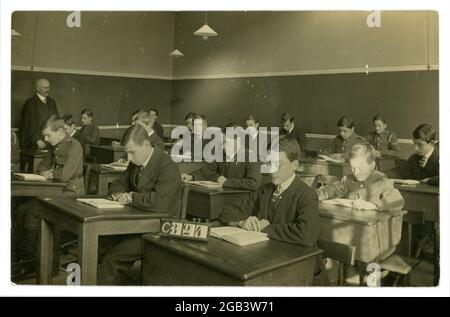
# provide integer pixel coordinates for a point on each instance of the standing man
(35, 112)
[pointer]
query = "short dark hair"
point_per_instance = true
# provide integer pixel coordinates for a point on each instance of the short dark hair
(378, 117)
(286, 116)
(234, 126)
(154, 110)
(289, 145)
(251, 117)
(88, 112)
(137, 133)
(189, 115)
(54, 123)
(69, 120)
(425, 132)
(346, 122)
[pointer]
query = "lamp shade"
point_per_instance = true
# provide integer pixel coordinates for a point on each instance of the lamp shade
(14, 33)
(176, 53)
(205, 31)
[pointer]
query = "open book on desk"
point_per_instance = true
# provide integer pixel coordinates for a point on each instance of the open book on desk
(330, 159)
(207, 184)
(238, 236)
(405, 181)
(101, 203)
(30, 177)
(363, 205)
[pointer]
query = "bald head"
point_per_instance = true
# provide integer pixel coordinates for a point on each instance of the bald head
(43, 87)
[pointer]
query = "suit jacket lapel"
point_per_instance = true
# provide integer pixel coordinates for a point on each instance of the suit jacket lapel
(286, 200)
(148, 170)
(264, 203)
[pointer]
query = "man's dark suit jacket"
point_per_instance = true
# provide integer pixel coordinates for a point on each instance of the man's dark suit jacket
(34, 114)
(159, 187)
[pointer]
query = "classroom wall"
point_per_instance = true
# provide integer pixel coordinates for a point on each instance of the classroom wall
(115, 63)
(311, 64)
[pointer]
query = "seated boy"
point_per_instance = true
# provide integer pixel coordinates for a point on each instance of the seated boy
(64, 163)
(369, 188)
(147, 121)
(285, 209)
(89, 133)
(151, 182)
(229, 172)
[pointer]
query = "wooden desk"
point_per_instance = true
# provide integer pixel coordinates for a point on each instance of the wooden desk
(385, 162)
(315, 166)
(310, 179)
(425, 197)
(36, 188)
(206, 203)
(100, 179)
(88, 223)
(105, 154)
(218, 263)
(107, 140)
(371, 232)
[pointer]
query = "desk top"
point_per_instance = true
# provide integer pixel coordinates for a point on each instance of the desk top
(242, 263)
(19, 182)
(102, 170)
(323, 162)
(362, 217)
(215, 191)
(419, 188)
(85, 213)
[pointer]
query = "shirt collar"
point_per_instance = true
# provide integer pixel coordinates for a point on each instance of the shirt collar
(428, 155)
(43, 98)
(290, 130)
(144, 165)
(285, 185)
(73, 133)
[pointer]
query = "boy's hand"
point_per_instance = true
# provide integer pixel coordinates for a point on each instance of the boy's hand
(263, 223)
(123, 198)
(337, 156)
(250, 224)
(41, 144)
(221, 179)
(364, 205)
(186, 177)
(425, 180)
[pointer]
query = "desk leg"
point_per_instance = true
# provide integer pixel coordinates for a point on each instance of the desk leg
(44, 276)
(102, 188)
(87, 256)
(436, 256)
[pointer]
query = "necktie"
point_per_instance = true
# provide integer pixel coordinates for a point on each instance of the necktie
(276, 194)
(423, 162)
(139, 173)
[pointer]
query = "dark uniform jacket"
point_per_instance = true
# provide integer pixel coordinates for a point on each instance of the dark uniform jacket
(339, 145)
(159, 129)
(294, 220)
(87, 135)
(241, 175)
(158, 188)
(34, 114)
(66, 160)
(386, 142)
(412, 169)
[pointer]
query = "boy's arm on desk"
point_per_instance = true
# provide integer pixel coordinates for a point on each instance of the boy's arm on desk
(232, 214)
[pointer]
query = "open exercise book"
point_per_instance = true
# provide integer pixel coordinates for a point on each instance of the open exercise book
(207, 184)
(344, 202)
(405, 181)
(329, 158)
(101, 203)
(238, 236)
(115, 166)
(30, 177)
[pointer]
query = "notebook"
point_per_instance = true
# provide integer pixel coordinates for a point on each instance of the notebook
(101, 203)
(329, 158)
(207, 184)
(343, 202)
(30, 177)
(405, 181)
(238, 236)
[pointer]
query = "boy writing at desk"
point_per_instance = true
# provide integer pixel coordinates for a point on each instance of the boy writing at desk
(151, 182)
(369, 188)
(286, 208)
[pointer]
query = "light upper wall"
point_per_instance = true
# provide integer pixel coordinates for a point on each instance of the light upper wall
(113, 42)
(258, 42)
